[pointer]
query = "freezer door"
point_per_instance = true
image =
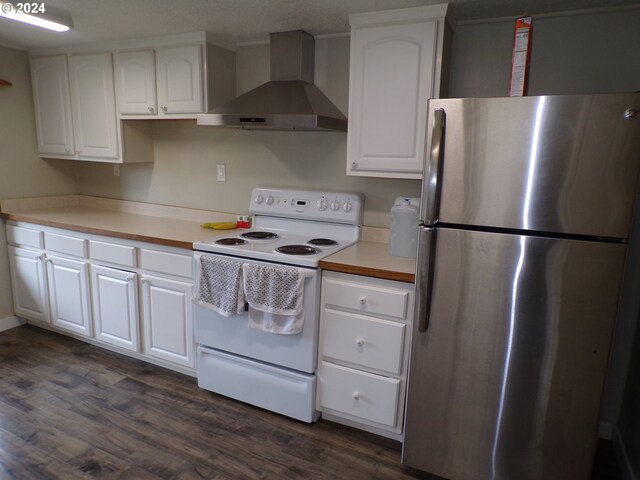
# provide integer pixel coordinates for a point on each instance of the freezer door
(565, 164)
(505, 383)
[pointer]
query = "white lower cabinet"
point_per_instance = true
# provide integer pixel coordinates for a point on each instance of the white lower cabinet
(168, 320)
(114, 295)
(69, 294)
(100, 289)
(29, 283)
(365, 325)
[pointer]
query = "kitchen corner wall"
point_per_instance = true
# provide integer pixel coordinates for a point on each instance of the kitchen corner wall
(22, 173)
(184, 171)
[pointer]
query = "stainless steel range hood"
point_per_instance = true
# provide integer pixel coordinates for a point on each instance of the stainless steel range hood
(290, 101)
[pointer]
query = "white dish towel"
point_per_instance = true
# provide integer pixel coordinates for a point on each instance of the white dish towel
(275, 298)
(219, 285)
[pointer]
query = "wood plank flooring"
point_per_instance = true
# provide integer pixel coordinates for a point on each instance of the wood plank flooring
(69, 410)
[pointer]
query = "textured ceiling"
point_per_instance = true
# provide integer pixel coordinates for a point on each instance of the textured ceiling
(236, 21)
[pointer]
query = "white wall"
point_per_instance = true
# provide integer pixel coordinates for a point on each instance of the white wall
(186, 155)
(22, 173)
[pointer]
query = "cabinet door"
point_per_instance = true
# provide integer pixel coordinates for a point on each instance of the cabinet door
(180, 79)
(69, 294)
(28, 283)
(115, 307)
(50, 79)
(136, 82)
(93, 106)
(168, 320)
(391, 78)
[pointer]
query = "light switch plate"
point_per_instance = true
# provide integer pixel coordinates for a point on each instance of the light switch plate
(221, 173)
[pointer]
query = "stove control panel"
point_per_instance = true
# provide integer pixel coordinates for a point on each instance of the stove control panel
(339, 207)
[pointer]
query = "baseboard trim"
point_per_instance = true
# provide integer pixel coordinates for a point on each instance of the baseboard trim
(7, 323)
(626, 469)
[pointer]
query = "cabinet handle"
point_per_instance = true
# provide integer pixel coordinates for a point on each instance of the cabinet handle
(363, 300)
(356, 395)
(151, 109)
(360, 342)
(48, 260)
(164, 108)
(40, 257)
(144, 281)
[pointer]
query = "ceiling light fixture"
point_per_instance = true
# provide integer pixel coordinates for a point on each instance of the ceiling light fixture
(57, 24)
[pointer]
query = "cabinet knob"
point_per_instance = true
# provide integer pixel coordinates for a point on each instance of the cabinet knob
(48, 260)
(151, 109)
(80, 152)
(144, 281)
(360, 342)
(164, 108)
(363, 300)
(356, 395)
(40, 257)
(354, 165)
(66, 150)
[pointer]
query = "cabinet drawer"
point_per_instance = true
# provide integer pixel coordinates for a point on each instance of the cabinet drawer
(366, 298)
(64, 244)
(168, 263)
(361, 394)
(113, 253)
(368, 342)
(24, 236)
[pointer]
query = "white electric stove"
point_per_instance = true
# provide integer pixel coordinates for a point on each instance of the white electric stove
(291, 228)
(295, 227)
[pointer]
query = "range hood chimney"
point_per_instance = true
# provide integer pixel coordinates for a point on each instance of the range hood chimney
(289, 101)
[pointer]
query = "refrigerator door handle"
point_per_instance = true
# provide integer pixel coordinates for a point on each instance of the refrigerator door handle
(433, 167)
(426, 270)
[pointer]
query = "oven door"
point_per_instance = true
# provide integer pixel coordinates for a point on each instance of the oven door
(233, 335)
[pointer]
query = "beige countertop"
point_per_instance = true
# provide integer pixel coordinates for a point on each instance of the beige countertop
(180, 227)
(111, 222)
(371, 259)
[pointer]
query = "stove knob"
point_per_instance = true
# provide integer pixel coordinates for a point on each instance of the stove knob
(322, 205)
(335, 205)
(259, 199)
(269, 200)
(347, 207)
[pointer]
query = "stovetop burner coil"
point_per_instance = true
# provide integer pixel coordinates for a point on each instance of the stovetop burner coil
(322, 241)
(259, 235)
(297, 250)
(231, 241)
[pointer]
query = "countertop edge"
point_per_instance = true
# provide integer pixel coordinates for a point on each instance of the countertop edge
(97, 231)
(367, 271)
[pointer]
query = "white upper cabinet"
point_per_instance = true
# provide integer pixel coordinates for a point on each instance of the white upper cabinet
(136, 82)
(50, 79)
(180, 80)
(93, 106)
(396, 59)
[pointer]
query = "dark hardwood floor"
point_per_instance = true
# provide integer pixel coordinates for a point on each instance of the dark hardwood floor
(70, 410)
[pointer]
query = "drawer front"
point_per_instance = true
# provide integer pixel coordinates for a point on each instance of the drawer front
(26, 237)
(65, 244)
(361, 394)
(113, 253)
(368, 342)
(366, 298)
(168, 263)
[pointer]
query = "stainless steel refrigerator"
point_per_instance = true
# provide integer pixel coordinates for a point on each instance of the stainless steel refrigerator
(527, 206)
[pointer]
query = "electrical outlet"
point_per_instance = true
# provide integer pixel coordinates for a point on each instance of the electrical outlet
(221, 173)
